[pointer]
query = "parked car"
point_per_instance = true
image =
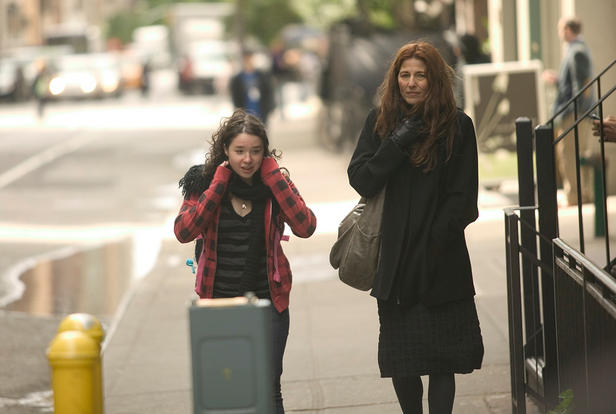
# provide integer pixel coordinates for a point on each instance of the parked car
(108, 69)
(30, 59)
(12, 81)
(95, 75)
(206, 67)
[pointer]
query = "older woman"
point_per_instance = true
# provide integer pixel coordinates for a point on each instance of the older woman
(423, 150)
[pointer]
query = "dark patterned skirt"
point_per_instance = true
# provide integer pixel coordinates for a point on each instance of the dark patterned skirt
(418, 340)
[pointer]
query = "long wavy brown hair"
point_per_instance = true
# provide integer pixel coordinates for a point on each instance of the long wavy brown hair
(438, 109)
(240, 122)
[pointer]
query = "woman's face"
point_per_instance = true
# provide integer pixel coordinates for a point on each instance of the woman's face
(245, 155)
(413, 81)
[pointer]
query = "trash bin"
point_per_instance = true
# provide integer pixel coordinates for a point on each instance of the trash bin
(231, 345)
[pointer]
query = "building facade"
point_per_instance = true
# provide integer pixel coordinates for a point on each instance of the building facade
(25, 22)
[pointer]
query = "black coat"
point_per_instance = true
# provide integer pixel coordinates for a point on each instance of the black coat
(266, 93)
(424, 257)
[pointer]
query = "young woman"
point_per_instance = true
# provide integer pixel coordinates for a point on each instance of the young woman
(422, 149)
(238, 202)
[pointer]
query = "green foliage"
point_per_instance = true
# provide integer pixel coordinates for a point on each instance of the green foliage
(566, 403)
(121, 26)
(382, 18)
(156, 3)
(322, 13)
(390, 14)
(265, 18)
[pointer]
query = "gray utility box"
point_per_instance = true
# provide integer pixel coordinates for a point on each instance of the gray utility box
(231, 344)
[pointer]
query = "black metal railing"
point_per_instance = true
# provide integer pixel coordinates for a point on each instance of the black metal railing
(578, 351)
(585, 310)
(562, 312)
(597, 162)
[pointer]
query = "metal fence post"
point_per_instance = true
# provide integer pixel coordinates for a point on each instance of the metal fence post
(514, 304)
(526, 198)
(548, 227)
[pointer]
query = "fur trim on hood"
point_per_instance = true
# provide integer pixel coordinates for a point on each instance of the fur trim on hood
(194, 182)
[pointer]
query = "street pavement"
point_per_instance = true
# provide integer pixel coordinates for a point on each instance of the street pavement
(330, 363)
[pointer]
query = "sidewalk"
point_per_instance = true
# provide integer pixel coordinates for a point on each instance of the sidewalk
(330, 361)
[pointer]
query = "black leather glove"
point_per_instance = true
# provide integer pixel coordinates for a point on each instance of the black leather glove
(407, 132)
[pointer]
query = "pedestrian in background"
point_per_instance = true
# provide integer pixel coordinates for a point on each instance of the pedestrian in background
(252, 90)
(19, 93)
(280, 73)
(423, 151)
(238, 203)
(575, 71)
(41, 86)
(146, 70)
(468, 52)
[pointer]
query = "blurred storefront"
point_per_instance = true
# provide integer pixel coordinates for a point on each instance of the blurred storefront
(25, 22)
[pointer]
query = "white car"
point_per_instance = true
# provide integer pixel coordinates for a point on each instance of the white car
(8, 78)
(85, 75)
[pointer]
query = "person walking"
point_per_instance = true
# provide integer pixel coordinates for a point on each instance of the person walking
(575, 71)
(251, 89)
(468, 52)
(146, 74)
(238, 203)
(40, 87)
(419, 147)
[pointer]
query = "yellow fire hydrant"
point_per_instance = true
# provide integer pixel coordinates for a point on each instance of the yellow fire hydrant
(74, 357)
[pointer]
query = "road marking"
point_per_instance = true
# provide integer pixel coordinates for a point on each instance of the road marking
(40, 399)
(44, 157)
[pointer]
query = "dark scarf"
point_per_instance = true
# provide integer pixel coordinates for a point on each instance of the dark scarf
(257, 193)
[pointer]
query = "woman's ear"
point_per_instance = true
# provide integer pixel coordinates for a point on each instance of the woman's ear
(227, 152)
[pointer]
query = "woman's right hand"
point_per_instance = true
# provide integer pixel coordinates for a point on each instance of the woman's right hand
(407, 132)
(225, 163)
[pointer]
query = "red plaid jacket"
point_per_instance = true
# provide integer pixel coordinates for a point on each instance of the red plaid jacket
(199, 215)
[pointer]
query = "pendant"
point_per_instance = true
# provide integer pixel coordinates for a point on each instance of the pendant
(243, 206)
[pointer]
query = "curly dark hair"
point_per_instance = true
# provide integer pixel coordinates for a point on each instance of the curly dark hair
(240, 122)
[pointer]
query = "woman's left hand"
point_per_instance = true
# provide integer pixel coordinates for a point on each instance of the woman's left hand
(268, 165)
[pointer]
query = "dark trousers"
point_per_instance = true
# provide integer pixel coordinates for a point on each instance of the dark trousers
(280, 332)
